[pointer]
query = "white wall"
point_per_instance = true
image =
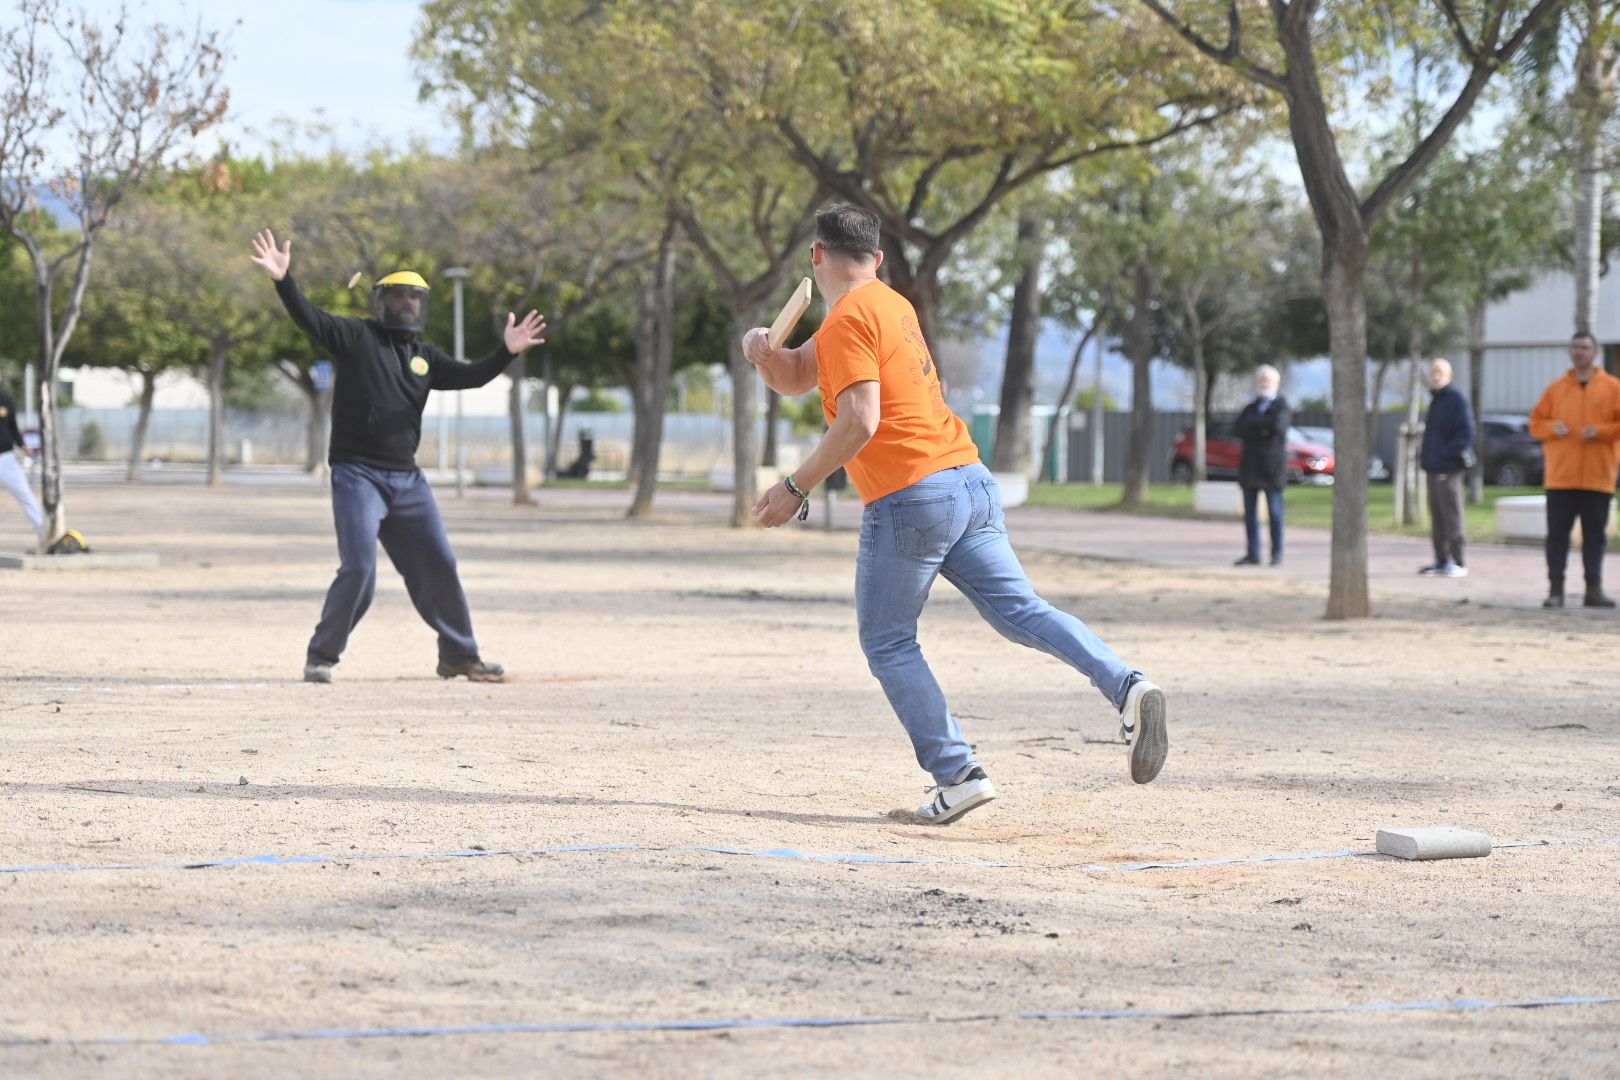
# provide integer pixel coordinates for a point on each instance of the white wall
(104, 388)
(1544, 313)
(1515, 376)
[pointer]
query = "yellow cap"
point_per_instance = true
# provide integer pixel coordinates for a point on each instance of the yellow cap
(404, 277)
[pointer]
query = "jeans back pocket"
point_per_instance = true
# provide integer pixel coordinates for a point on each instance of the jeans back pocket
(926, 527)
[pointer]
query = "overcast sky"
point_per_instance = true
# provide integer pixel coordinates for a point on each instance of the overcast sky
(342, 62)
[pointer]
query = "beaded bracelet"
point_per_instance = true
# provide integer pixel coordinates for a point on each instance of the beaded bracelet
(794, 489)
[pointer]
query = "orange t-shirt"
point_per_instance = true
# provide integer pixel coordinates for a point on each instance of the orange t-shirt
(872, 335)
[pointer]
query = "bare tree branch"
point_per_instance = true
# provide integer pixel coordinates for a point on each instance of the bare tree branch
(1400, 177)
(1230, 54)
(1459, 31)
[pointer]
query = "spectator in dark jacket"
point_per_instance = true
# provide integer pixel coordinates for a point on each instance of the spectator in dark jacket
(1448, 454)
(1263, 466)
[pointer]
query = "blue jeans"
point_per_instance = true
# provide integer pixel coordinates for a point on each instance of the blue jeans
(951, 524)
(397, 507)
(1251, 519)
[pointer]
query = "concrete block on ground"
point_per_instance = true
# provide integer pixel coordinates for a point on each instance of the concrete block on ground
(1522, 517)
(1433, 842)
(1224, 498)
(1014, 489)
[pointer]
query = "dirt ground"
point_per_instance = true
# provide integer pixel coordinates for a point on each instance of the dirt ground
(681, 687)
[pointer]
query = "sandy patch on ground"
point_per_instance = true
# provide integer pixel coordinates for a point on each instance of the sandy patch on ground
(682, 688)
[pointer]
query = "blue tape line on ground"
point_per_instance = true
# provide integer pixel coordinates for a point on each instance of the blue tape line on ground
(610, 1026)
(226, 861)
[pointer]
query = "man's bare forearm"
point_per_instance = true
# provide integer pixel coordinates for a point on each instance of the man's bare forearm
(784, 372)
(837, 448)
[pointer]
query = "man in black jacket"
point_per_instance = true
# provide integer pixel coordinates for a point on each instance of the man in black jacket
(1448, 452)
(1263, 466)
(384, 371)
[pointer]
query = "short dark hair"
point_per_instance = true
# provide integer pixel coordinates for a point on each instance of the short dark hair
(1583, 334)
(849, 231)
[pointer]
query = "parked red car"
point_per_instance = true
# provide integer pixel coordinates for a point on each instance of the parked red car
(1308, 462)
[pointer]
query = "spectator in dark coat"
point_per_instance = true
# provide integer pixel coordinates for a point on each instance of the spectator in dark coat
(1448, 453)
(1263, 467)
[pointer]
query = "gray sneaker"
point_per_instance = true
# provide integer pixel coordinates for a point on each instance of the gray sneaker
(317, 673)
(474, 670)
(953, 800)
(1142, 726)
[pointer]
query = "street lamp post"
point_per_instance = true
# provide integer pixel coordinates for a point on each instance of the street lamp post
(457, 274)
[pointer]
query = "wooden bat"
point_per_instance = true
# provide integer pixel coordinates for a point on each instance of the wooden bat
(790, 314)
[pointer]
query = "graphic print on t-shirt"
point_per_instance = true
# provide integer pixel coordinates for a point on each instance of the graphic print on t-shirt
(919, 345)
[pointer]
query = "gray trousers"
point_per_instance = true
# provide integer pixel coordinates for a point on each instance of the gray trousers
(396, 507)
(1446, 516)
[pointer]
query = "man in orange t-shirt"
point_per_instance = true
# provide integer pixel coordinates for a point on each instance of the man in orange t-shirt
(931, 510)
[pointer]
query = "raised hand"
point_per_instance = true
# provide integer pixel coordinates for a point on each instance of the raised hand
(274, 260)
(757, 346)
(522, 335)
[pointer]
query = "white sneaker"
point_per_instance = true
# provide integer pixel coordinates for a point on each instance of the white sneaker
(954, 800)
(1451, 569)
(1142, 726)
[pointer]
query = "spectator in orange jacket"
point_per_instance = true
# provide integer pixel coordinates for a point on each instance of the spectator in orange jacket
(1578, 422)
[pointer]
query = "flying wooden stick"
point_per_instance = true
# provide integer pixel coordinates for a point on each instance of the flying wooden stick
(790, 314)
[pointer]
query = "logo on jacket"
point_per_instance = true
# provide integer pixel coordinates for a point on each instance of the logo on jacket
(419, 365)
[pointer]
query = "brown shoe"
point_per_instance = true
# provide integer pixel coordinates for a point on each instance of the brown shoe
(475, 670)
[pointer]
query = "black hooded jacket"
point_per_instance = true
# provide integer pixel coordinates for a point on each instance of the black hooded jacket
(382, 381)
(1264, 461)
(10, 437)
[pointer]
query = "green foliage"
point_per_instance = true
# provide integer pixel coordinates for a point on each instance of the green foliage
(596, 401)
(1087, 398)
(18, 340)
(805, 414)
(92, 442)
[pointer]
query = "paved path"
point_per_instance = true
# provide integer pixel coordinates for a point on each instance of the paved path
(1499, 575)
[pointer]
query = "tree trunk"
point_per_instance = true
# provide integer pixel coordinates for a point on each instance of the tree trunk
(1337, 209)
(548, 442)
(654, 356)
(773, 414)
(1411, 512)
(1011, 454)
(1344, 263)
(315, 425)
(518, 408)
(143, 420)
(1139, 347)
(554, 446)
(1380, 372)
(50, 422)
(1594, 104)
(1065, 402)
(218, 356)
(745, 384)
(315, 430)
(1195, 337)
(1476, 395)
